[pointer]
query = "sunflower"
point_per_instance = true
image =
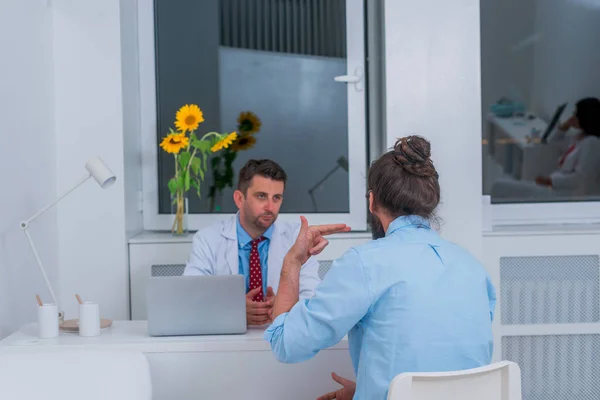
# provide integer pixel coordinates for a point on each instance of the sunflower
(174, 142)
(244, 142)
(248, 122)
(224, 142)
(188, 118)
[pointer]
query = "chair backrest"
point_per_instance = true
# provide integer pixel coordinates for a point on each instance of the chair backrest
(499, 381)
(70, 375)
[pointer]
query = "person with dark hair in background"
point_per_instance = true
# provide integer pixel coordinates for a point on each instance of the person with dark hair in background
(409, 302)
(578, 168)
(253, 243)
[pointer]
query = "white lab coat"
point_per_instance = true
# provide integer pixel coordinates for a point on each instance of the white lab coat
(579, 175)
(215, 252)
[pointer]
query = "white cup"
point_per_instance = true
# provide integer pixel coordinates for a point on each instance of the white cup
(47, 321)
(89, 319)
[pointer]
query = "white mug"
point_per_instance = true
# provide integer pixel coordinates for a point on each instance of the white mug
(89, 319)
(47, 321)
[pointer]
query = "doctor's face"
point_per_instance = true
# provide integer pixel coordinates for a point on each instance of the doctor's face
(259, 207)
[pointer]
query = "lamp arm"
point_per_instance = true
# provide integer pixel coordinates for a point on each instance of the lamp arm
(324, 179)
(25, 223)
(25, 226)
(39, 261)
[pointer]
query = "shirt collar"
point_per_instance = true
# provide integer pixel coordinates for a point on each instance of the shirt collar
(407, 222)
(244, 238)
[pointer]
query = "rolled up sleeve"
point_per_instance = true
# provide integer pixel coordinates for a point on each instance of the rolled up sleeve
(339, 303)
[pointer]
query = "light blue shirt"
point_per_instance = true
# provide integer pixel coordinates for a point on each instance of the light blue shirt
(409, 302)
(245, 247)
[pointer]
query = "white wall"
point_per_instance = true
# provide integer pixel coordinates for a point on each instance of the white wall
(433, 89)
(89, 121)
(507, 34)
(567, 57)
(132, 138)
(71, 77)
(27, 157)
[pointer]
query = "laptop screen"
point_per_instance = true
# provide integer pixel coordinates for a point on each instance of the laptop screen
(553, 122)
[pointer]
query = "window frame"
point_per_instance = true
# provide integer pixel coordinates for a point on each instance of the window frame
(559, 213)
(357, 129)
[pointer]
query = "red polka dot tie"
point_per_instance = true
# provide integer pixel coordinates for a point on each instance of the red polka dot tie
(255, 269)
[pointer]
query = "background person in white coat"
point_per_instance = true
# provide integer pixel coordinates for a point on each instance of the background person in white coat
(253, 243)
(578, 168)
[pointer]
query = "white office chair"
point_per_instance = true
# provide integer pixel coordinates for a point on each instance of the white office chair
(71, 375)
(499, 381)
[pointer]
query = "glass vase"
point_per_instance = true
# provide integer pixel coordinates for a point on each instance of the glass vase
(179, 209)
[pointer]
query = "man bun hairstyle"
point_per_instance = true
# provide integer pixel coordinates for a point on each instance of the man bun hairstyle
(404, 181)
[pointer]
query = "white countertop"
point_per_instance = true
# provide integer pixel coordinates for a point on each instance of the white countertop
(133, 335)
(519, 128)
(149, 237)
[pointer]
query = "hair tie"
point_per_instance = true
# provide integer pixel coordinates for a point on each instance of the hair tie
(419, 152)
(400, 153)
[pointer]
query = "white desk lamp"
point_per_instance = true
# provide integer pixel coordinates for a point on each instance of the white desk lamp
(105, 178)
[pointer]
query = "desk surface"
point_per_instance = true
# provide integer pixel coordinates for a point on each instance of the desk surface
(133, 335)
(519, 129)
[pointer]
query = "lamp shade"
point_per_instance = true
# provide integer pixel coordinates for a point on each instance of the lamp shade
(100, 172)
(343, 163)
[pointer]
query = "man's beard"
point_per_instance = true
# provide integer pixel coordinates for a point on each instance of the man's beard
(376, 228)
(263, 225)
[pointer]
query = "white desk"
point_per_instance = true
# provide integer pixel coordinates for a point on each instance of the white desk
(204, 367)
(511, 145)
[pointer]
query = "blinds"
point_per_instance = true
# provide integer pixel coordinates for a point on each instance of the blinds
(308, 27)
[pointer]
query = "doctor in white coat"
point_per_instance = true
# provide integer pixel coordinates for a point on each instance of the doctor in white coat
(577, 174)
(253, 243)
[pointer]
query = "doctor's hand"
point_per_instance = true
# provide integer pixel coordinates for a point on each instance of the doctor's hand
(345, 393)
(259, 312)
(572, 122)
(310, 240)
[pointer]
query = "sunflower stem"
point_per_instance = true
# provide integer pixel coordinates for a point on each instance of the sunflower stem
(187, 168)
(190, 141)
(217, 134)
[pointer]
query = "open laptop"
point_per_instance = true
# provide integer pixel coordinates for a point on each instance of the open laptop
(196, 305)
(553, 122)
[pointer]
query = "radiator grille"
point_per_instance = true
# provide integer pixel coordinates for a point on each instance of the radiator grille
(549, 289)
(556, 367)
(168, 269)
(324, 266)
(310, 27)
(177, 269)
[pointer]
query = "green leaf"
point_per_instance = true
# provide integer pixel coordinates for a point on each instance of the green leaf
(172, 185)
(196, 185)
(184, 159)
(187, 181)
(196, 165)
(201, 171)
(180, 182)
(229, 157)
(202, 145)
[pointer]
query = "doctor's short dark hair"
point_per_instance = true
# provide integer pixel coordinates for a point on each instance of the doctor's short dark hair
(588, 114)
(404, 180)
(265, 168)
